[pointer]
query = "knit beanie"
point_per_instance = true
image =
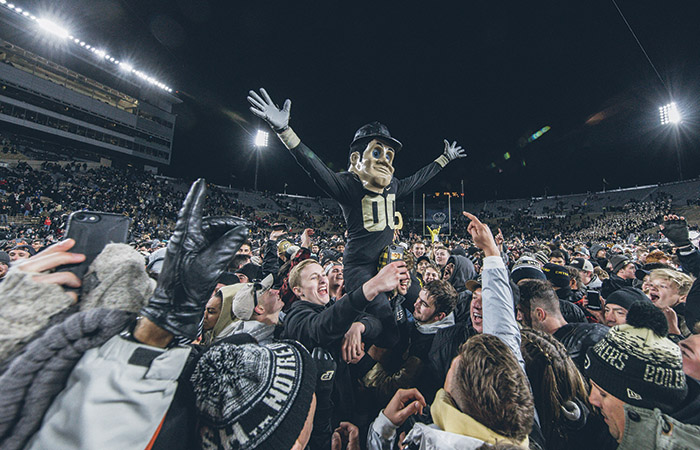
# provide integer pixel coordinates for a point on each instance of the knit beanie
(637, 364)
(253, 396)
(626, 297)
(542, 257)
(618, 262)
(524, 271)
(252, 271)
(558, 275)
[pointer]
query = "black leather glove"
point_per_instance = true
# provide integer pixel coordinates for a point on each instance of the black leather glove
(677, 232)
(198, 252)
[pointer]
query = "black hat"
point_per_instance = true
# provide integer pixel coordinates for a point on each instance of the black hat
(26, 248)
(228, 278)
(253, 396)
(525, 270)
(423, 258)
(619, 262)
(558, 275)
(637, 363)
(252, 271)
(626, 297)
(371, 131)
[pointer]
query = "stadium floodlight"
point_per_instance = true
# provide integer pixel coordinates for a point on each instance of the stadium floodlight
(57, 30)
(53, 28)
(669, 114)
(260, 142)
(261, 138)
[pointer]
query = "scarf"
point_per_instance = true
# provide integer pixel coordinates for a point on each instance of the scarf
(450, 419)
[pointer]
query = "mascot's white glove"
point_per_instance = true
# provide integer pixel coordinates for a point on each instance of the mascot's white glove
(264, 107)
(453, 151)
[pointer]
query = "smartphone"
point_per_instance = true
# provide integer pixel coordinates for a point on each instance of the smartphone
(593, 298)
(92, 231)
(395, 253)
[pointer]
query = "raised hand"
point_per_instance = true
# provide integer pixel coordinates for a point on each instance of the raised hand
(386, 280)
(195, 258)
(306, 237)
(53, 257)
(453, 151)
(676, 230)
(265, 108)
(482, 236)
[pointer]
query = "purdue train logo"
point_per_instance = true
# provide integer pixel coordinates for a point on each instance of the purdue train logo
(439, 217)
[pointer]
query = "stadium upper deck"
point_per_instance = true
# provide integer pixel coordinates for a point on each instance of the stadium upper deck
(82, 104)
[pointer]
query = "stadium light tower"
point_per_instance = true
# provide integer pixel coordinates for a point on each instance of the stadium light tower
(260, 142)
(669, 114)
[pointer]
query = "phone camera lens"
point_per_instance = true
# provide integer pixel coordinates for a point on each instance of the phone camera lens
(80, 217)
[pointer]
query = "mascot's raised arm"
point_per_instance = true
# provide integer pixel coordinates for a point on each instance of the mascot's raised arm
(367, 193)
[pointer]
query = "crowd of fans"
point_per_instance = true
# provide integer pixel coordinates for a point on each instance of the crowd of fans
(44, 195)
(236, 331)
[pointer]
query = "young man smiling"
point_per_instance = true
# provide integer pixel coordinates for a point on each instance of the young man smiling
(315, 321)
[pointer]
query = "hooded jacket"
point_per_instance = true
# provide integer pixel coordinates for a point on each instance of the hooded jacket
(324, 326)
(463, 271)
(226, 317)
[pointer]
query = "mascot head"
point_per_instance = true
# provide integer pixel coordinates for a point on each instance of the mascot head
(372, 156)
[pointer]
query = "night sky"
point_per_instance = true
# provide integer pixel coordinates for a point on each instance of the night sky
(487, 74)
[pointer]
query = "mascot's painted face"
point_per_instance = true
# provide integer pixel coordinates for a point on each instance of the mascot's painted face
(375, 167)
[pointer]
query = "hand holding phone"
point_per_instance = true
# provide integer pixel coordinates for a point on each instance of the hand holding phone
(593, 298)
(92, 231)
(56, 255)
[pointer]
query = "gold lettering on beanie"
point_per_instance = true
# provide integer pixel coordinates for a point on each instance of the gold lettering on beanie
(664, 376)
(613, 356)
